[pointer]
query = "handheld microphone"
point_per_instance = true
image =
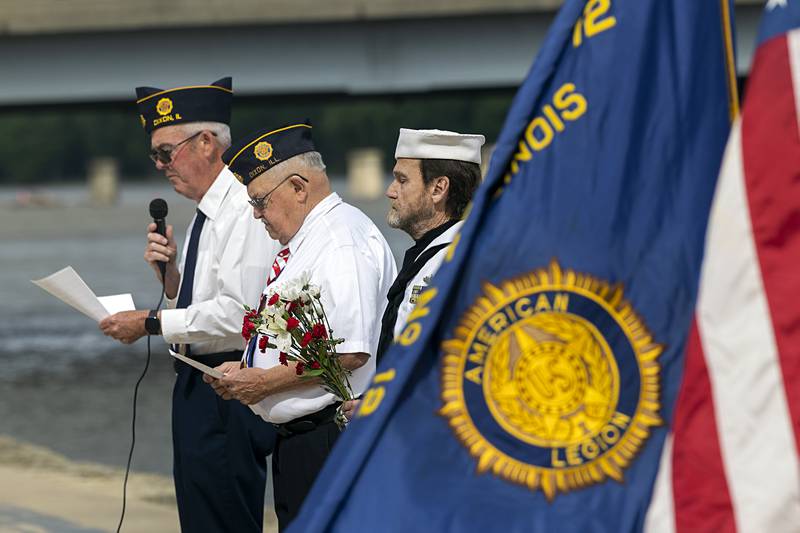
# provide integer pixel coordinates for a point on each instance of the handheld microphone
(158, 210)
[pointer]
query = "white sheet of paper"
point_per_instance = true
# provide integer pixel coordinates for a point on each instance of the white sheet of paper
(198, 365)
(117, 302)
(67, 286)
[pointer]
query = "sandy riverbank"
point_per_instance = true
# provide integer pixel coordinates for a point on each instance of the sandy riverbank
(42, 491)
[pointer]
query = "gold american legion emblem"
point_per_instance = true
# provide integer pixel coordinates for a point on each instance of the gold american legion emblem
(263, 151)
(164, 106)
(551, 381)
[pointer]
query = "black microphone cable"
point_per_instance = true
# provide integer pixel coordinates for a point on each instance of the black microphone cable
(133, 417)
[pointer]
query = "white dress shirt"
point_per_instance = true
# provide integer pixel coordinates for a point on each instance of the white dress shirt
(347, 257)
(423, 277)
(234, 254)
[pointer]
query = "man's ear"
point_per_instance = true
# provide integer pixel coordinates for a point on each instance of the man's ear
(440, 187)
(207, 144)
(300, 187)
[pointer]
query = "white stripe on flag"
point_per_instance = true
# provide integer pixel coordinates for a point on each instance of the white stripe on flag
(793, 42)
(661, 513)
(756, 438)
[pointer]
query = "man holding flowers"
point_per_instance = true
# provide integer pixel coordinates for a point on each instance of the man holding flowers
(325, 293)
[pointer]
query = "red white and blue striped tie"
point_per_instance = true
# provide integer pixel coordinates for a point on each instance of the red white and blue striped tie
(277, 267)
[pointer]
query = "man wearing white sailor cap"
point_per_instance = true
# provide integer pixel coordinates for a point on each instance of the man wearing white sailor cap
(435, 176)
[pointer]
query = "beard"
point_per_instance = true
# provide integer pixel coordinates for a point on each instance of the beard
(409, 221)
(393, 218)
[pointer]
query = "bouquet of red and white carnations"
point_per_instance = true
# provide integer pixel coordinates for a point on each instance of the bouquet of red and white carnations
(294, 322)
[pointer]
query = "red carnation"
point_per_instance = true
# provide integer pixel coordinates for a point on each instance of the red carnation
(315, 365)
(274, 299)
(319, 331)
(306, 339)
(299, 368)
(291, 307)
(262, 344)
(282, 359)
(291, 323)
(247, 325)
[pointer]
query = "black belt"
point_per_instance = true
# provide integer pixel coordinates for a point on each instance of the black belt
(211, 359)
(307, 423)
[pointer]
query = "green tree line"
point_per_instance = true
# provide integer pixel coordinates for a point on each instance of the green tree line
(46, 145)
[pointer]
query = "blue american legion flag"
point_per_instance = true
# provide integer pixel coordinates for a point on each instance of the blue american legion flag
(535, 381)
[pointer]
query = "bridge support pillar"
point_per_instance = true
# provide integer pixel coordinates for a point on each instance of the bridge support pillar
(365, 173)
(103, 181)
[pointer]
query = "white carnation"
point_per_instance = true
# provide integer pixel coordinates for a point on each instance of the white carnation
(283, 341)
(291, 290)
(313, 290)
(304, 278)
(276, 324)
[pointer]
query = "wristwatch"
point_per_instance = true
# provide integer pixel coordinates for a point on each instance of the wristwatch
(152, 325)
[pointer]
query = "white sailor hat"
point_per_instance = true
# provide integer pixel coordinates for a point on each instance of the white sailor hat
(438, 144)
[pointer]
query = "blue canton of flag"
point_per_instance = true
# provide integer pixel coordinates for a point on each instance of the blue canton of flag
(532, 385)
(779, 17)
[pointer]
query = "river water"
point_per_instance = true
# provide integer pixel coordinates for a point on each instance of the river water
(62, 383)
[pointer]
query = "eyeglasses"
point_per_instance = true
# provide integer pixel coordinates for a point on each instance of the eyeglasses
(164, 154)
(261, 202)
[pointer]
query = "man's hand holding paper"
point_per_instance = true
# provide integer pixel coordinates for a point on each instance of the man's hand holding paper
(126, 326)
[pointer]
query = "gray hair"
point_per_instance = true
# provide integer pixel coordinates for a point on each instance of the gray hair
(221, 131)
(312, 160)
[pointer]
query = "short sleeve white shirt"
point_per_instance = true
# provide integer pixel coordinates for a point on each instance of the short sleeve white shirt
(234, 254)
(346, 255)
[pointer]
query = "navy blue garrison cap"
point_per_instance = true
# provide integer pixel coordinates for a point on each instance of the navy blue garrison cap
(195, 103)
(260, 151)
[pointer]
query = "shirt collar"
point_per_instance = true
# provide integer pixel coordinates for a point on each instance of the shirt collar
(423, 242)
(330, 201)
(212, 200)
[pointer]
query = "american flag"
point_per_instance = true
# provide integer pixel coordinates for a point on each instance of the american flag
(730, 462)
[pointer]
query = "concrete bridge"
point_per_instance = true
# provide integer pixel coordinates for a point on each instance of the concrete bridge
(81, 51)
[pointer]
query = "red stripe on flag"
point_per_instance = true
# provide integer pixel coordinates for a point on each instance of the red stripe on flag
(771, 156)
(699, 485)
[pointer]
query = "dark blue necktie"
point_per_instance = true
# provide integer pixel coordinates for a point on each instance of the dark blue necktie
(187, 281)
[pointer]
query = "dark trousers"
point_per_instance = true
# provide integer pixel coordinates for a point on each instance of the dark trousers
(220, 449)
(296, 461)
